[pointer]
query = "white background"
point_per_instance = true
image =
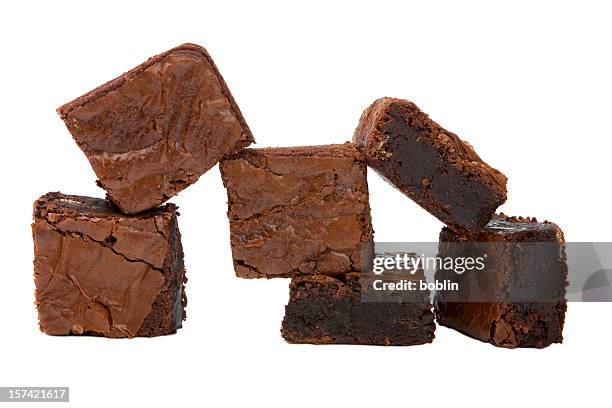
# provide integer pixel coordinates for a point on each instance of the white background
(527, 83)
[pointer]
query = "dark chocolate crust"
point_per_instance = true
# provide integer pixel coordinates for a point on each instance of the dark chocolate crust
(156, 129)
(518, 300)
(329, 310)
(102, 273)
(431, 165)
(295, 210)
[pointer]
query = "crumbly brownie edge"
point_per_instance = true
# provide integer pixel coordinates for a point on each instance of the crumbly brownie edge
(544, 323)
(321, 289)
(366, 138)
(516, 325)
(546, 231)
(346, 150)
(68, 204)
(168, 311)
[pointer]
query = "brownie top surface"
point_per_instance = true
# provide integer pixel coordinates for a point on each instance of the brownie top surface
(502, 223)
(327, 280)
(89, 206)
(142, 237)
(292, 208)
(114, 84)
(345, 150)
(510, 228)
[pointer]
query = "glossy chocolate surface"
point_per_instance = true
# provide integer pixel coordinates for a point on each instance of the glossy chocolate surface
(156, 129)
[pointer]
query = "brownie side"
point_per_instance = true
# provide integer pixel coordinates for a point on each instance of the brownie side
(431, 165)
(509, 325)
(156, 129)
(297, 210)
(329, 310)
(99, 272)
(347, 150)
(518, 300)
(168, 310)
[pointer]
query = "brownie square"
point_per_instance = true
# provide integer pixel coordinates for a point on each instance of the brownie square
(431, 165)
(156, 129)
(330, 310)
(518, 298)
(297, 210)
(102, 273)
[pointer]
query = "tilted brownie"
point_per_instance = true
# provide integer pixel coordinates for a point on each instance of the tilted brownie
(518, 298)
(330, 310)
(297, 210)
(99, 272)
(156, 129)
(431, 165)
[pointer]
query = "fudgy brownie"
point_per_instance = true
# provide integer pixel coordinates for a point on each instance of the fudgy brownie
(99, 272)
(518, 298)
(156, 129)
(329, 310)
(431, 165)
(297, 210)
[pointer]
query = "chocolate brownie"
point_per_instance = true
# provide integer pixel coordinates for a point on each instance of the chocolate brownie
(99, 272)
(330, 310)
(431, 165)
(297, 210)
(156, 129)
(518, 298)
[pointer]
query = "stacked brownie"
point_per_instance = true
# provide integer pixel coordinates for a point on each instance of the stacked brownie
(114, 267)
(298, 210)
(303, 213)
(518, 299)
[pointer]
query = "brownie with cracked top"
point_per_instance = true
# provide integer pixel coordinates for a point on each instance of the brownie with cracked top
(431, 165)
(330, 310)
(103, 273)
(154, 130)
(518, 298)
(298, 210)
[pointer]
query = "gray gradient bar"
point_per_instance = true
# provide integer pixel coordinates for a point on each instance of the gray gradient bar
(589, 267)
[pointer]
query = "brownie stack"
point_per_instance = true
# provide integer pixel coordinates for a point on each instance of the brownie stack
(114, 267)
(303, 213)
(518, 299)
